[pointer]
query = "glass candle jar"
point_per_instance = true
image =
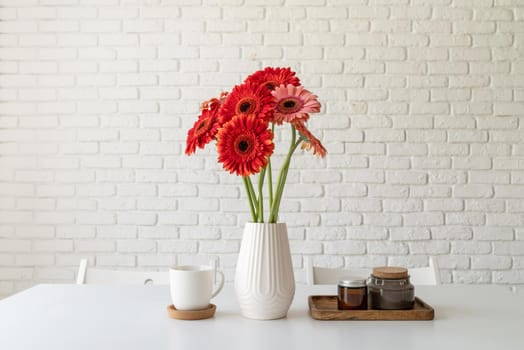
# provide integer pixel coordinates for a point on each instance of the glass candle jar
(352, 294)
(390, 289)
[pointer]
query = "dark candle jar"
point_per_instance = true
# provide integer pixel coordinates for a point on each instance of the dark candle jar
(390, 289)
(352, 294)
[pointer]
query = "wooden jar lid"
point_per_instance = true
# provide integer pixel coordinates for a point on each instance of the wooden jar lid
(390, 272)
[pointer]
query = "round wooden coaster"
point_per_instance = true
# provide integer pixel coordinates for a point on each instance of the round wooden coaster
(191, 314)
(390, 272)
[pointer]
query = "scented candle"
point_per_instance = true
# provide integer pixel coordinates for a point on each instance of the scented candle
(352, 294)
(390, 289)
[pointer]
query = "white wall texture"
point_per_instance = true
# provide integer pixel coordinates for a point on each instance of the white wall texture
(422, 117)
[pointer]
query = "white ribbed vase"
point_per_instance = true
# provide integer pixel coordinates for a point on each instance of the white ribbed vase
(264, 279)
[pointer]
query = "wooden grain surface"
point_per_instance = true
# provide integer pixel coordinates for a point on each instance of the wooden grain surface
(324, 307)
(390, 272)
(191, 314)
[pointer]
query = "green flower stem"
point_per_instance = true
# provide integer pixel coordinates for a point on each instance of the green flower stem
(270, 174)
(252, 194)
(260, 210)
(283, 175)
(280, 189)
(270, 183)
(249, 198)
(278, 193)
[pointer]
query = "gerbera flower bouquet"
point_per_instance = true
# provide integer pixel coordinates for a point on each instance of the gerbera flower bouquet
(243, 121)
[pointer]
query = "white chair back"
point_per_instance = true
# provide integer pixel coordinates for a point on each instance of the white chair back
(87, 275)
(325, 275)
(425, 276)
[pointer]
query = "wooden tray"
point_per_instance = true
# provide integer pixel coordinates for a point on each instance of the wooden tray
(191, 314)
(324, 307)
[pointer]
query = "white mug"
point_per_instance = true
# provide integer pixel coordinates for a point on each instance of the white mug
(192, 286)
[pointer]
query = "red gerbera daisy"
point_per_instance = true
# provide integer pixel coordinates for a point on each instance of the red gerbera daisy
(203, 131)
(245, 100)
(214, 103)
(244, 145)
(271, 77)
(294, 102)
(312, 143)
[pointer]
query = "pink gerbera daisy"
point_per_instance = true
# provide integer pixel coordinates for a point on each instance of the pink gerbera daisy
(293, 103)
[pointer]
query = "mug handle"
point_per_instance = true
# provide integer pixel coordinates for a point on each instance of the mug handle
(219, 288)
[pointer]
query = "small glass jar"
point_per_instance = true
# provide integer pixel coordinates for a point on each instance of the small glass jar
(352, 294)
(390, 289)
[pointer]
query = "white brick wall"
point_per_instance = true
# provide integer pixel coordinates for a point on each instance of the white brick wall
(423, 118)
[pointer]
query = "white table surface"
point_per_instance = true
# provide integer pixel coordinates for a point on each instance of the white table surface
(98, 317)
